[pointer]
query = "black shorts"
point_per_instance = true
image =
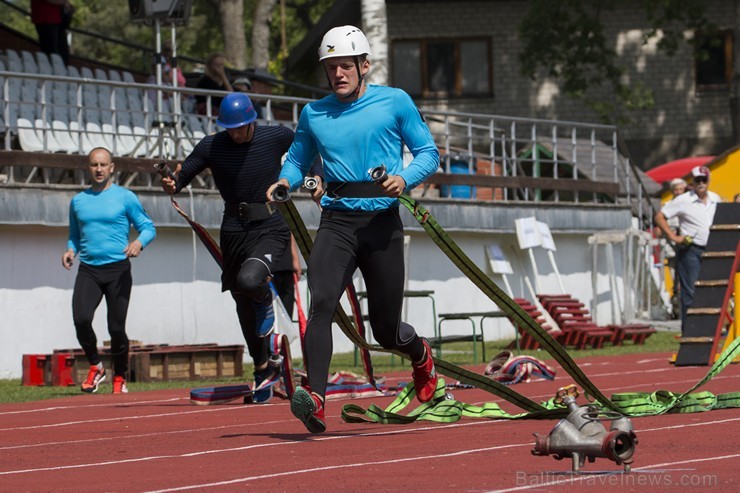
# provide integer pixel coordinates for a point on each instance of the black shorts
(266, 242)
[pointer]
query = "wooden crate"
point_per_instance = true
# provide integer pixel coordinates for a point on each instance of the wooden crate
(187, 363)
(161, 362)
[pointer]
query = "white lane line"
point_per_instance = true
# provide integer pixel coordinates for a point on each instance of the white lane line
(246, 447)
(110, 404)
(145, 435)
(342, 466)
(234, 408)
(595, 479)
(410, 459)
(127, 418)
(84, 406)
(320, 439)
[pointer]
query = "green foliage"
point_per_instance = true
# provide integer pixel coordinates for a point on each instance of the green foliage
(201, 37)
(565, 40)
(671, 17)
(300, 17)
(17, 20)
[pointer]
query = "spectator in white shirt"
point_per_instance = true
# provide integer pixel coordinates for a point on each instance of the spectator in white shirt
(695, 213)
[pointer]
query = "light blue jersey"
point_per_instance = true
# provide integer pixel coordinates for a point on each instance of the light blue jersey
(99, 224)
(355, 137)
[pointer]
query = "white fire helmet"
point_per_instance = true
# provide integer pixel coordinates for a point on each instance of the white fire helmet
(343, 41)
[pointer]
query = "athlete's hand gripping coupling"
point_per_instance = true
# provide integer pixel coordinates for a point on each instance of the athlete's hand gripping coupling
(393, 185)
(169, 179)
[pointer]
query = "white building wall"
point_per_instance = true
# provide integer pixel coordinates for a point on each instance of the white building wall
(178, 300)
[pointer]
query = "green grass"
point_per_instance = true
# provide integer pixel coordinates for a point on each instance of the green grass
(459, 353)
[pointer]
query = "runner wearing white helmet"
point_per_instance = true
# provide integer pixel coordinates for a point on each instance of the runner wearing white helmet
(357, 129)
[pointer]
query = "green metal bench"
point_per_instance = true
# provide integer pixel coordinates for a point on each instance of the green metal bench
(475, 337)
(429, 294)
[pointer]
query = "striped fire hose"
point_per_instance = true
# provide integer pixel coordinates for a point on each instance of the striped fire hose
(447, 410)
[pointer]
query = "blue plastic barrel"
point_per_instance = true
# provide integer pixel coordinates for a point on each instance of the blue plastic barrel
(458, 166)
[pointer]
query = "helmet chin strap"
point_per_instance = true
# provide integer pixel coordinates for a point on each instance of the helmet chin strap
(360, 80)
(360, 77)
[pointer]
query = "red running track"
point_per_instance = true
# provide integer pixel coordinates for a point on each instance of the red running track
(157, 441)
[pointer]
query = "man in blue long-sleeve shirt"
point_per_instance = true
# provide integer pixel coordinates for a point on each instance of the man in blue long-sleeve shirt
(356, 129)
(100, 219)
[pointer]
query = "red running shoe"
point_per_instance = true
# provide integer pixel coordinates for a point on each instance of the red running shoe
(309, 408)
(94, 377)
(119, 385)
(425, 376)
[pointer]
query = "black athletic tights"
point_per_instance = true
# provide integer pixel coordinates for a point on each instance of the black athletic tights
(92, 283)
(346, 240)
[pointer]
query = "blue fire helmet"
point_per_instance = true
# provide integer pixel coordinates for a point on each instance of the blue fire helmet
(236, 111)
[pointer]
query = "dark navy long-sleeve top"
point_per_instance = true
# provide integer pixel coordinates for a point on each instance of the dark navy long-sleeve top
(242, 172)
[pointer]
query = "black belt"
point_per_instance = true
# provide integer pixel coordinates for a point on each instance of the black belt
(249, 212)
(354, 189)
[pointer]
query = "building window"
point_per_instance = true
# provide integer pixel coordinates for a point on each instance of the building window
(442, 68)
(714, 62)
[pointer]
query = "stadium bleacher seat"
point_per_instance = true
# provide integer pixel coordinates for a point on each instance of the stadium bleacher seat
(29, 62)
(13, 59)
(75, 116)
(65, 139)
(35, 136)
(43, 63)
(57, 64)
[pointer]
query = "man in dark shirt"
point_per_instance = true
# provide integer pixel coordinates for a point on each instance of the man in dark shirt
(245, 160)
(52, 18)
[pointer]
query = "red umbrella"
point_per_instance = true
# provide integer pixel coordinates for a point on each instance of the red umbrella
(677, 169)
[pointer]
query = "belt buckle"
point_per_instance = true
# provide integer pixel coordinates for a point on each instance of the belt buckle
(333, 192)
(243, 211)
(270, 209)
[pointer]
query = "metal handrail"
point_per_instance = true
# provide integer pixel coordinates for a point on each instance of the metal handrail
(560, 150)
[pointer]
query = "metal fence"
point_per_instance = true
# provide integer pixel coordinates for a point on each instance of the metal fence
(49, 113)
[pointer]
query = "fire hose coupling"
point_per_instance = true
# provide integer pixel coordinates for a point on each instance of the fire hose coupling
(281, 194)
(378, 174)
(275, 361)
(582, 434)
(310, 183)
(164, 170)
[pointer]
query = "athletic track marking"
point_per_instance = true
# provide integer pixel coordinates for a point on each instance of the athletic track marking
(359, 435)
(588, 476)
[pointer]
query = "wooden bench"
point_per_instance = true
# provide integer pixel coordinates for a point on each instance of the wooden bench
(475, 337)
(637, 333)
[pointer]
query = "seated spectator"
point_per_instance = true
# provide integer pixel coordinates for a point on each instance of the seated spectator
(176, 71)
(152, 79)
(214, 78)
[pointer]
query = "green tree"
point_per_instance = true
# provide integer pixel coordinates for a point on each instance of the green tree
(565, 39)
(204, 33)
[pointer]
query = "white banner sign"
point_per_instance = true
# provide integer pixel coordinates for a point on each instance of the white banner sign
(547, 242)
(499, 264)
(528, 233)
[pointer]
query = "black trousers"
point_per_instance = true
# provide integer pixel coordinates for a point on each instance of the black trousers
(92, 283)
(285, 286)
(248, 260)
(53, 39)
(372, 242)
